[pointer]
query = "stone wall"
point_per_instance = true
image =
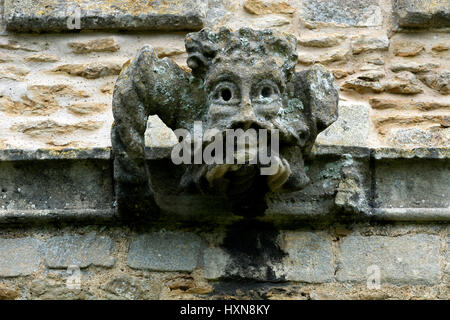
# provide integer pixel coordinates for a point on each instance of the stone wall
(390, 58)
(119, 263)
(391, 61)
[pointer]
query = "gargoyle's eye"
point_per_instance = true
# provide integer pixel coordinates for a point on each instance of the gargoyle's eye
(226, 93)
(266, 91)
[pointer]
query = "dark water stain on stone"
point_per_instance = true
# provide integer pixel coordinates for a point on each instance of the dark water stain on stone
(252, 244)
(254, 249)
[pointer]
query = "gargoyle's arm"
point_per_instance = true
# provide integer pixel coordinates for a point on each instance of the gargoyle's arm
(146, 86)
(320, 97)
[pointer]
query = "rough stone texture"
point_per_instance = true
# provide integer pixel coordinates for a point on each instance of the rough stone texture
(422, 13)
(321, 40)
(343, 12)
(366, 43)
(363, 86)
(19, 256)
(438, 81)
(440, 47)
(351, 127)
(41, 58)
(413, 67)
(386, 103)
(411, 259)
(54, 287)
(447, 260)
(310, 257)
(32, 15)
(408, 49)
(413, 137)
(97, 45)
(261, 7)
(40, 100)
(51, 130)
(86, 108)
(82, 251)
(126, 287)
(93, 70)
(13, 73)
(412, 184)
(7, 293)
(403, 83)
(214, 263)
(337, 55)
(165, 251)
(372, 75)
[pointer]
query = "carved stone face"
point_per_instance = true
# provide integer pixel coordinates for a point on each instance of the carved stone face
(240, 80)
(242, 96)
(249, 82)
(245, 96)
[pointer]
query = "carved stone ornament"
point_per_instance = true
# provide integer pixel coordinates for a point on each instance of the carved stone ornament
(240, 80)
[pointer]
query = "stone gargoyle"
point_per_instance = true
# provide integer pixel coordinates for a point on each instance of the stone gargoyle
(239, 80)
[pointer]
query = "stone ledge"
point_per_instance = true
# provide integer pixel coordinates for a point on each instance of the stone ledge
(411, 214)
(86, 215)
(422, 153)
(156, 153)
(78, 187)
(55, 154)
(110, 215)
(38, 16)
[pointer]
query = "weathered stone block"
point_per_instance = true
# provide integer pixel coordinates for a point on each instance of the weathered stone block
(439, 81)
(417, 137)
(408, 48)
(368, 43)
(409, 259)
(310, 257)
(82, 251)
(351, 127)
(422, 13)
(125, 287)
(61, 15)
(412, 183)
(259, 7)
(343, 12)
(215, 261)
(66, 184)
(55, 288)
(165, 251)
(19, 257)
(7, 293)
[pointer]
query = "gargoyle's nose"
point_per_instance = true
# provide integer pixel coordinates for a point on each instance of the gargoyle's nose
(245, 125)
(247, 117)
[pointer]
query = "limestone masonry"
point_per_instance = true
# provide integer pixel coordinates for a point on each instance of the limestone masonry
(371, 159)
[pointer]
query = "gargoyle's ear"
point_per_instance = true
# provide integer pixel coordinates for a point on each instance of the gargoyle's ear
(201, 49)
(320, 96)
